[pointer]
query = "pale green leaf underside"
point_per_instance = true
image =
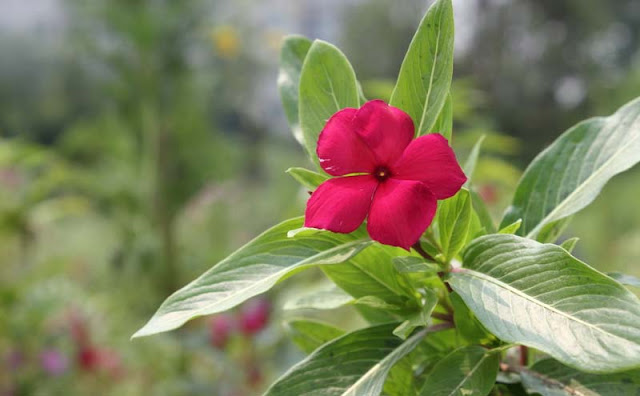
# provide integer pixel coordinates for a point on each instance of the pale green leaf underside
(468, 371)
(551, 378)
(251, 270)
(330, 298)
(327, 84)
(625, 279)
(353, 365)
(309, 335)
(539, 295)
(454, 218)
(425, 75)
(569, 174)
(294, 50)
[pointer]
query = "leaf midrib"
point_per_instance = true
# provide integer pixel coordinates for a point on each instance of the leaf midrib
(562, 205)
(508, 287)
(473, 370)
(276, 275)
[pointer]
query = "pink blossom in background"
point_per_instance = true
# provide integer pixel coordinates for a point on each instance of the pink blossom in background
(382, 174)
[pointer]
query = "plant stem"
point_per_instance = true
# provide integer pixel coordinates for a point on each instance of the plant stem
(418, 248)
(524, 355)
(441, 316)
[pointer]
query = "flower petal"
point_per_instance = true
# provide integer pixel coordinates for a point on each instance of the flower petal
(429, 159)
(400, 212)
(386, 130)
(340, 149)
(340, 204)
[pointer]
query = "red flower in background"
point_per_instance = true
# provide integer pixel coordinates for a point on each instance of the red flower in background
(220, 328)
(397, 180)
(254, 316)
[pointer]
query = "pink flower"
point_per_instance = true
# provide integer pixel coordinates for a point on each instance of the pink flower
(254, 316)
(382, 174)
(220, 329)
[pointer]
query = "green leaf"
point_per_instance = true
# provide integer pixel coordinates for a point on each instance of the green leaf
(539, 295)
(371, 273)
(569, 174)
(377, 303)
(425, 75)
(251, 270)
(444, 122)
(454, 218)
(413, 264)
(320, 299)
(511, 228)
(308, 179)
(420, 318)
(352, 365)
(294, 50)
(471, 162)
(625, 279)
(551, 378)
(309, 335)
(468, 371)
(327, 85)
(570, 244)
(483, 213)
(466, 322)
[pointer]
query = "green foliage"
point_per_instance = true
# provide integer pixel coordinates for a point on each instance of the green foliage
(539, 295)
(468, 371)
(454, 218)
(423, 84)
(308, 179)
(309, 335)
(354, 364)
(327, 84)
(551, 378)
(251, 270)
(294, 50)
(569, 174)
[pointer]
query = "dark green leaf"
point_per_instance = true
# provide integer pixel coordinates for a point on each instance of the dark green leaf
(309, 335)
(570, 173)
(483, 213)
(466, 322)
(294, 50)
(425, 75)
(353, 365)
(551, 378)
(470, 164)
(251, 270)
(420, 318)
(539, 295)
(327, 84)
(511, 228)
(468, 371)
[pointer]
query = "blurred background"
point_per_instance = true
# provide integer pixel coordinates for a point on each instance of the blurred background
(143, 140)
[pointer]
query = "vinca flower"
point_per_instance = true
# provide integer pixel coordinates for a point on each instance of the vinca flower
(382, 174)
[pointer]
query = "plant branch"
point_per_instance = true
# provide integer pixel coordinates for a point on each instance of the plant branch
(441, 316)
(551, 382)
(418, 248)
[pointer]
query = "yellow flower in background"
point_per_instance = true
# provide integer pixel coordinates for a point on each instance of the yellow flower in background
(226, 41)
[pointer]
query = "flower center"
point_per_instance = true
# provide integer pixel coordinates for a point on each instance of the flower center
(382, 173)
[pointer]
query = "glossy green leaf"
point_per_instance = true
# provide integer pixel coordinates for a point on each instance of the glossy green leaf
(327, 84)
(472, 160)
(251, 270)
(294, 50)
(412, 264)
(468, 371)
(539, 295)
(549, 377)
(425, 75)
(444, 122)
(570, 173)
(511, 228)
(320, 299)
(353, 365)
(570, 244)
(372, 273)
(420, 318)
(467, 325)
(625, 279)
(454, 218)
(308, 179)
(309, 335)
